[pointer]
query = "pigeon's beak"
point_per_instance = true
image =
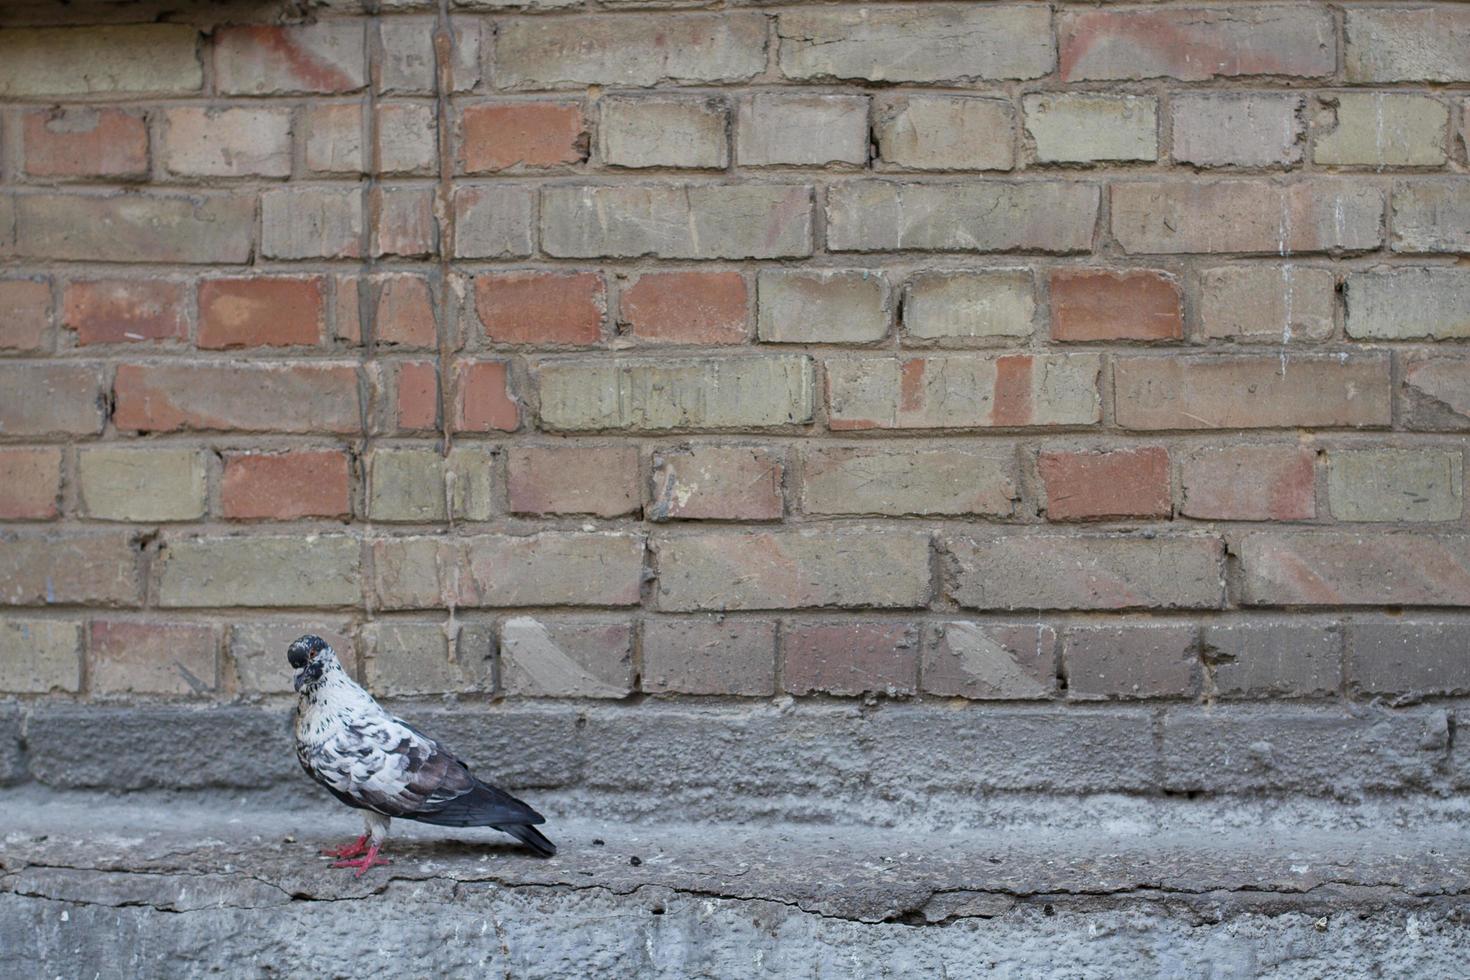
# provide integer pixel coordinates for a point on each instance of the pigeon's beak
(307, 675)
(299, 680)
(297, 657)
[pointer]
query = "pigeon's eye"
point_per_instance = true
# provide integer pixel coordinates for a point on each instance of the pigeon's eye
(311, 654)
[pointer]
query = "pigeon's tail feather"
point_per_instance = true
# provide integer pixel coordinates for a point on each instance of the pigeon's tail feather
(531, 837)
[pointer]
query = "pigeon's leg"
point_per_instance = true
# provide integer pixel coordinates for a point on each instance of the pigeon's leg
(348, 850)
(377, 832)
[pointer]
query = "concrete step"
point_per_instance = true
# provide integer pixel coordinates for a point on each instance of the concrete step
(185, 885)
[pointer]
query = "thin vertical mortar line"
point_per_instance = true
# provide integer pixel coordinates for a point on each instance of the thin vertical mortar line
(443, 205)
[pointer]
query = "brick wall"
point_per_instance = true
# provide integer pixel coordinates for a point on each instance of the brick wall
(1022, 351)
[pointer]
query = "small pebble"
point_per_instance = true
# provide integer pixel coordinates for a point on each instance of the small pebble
(598, 842)
(635, 860)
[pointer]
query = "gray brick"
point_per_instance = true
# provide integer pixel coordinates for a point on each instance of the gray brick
(1133, 661)
(1409, 657)
(494, 222)
(1407, 304)
(838, 481)
(406, 659)
(945, 132)
(970, 305)
(709, 656)
(1395, 484)
(1260, 660)
(822, 306)
(664, 132)
(1430, 217)
(40, 655)
(802, 130)
(1238, 129)
(299, 570)
(1079, 127)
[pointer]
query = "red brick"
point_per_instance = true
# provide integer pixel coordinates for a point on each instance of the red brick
(69, 569)
(597, 480)
(1250, 391)
(152, 658)
(261, 312)
(686, 308)
(1098, 304)
(51, 399)
(25, 314)
(718, 483)
(709, 656)
(347, 310)
(256, 60)
(405, 225)
(417, 395)
(1249, 483)
(405, 312)
(483, 402)
(850, 658)
(120, 311)
(1198, 44)
(81, 142)
(239, 396)
(30, 482)
(1131, 662)
(1117, 483)
(523, 135)
(282, 486)
(541, 307)
(1349, 568)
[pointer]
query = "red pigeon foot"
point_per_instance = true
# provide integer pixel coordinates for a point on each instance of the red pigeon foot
(368, 860)
(348, 850)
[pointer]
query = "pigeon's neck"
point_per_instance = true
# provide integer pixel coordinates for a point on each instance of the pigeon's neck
(338, 690)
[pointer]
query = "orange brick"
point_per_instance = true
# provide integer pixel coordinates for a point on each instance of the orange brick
(1249, 483)
(601, 480)
(483, 401)
(1118, 483)
(79, 142)
(260, 312)
(405, 225)
(119, 311)
(25, 313)
(405, 312)
(686, 308)
(417, 395)
(243, 397)
(30, 480)
(153, 658)
(523, 134)
(1096, 304)
(282, 486)
(541, 308)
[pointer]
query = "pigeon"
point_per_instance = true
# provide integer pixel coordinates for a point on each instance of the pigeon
(385, 767)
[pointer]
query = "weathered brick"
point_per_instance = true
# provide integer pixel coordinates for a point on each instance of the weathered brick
(1404, 304)
(201, 142)
(884, 216)
(850, 658)
(1249, 483)
(482, 398)
(8, 211)
(1238, 129)
(754, 221)
(255, 651)
(334, 136)
(70, 569)
(541, 308)
(406, 659)
(494, 222)
(1277, 304)
(969, 305)
(1115, 483)
(119, 311)
(641, 395)
(629, 52)
(261, 311)
(1197, 44)
(1418, 44)
(719, 570)
(709, 656)
(773, 129)
(125, 657)
(1056, 571)
(51, 399)
(1317, 215)
(1349, 568)
(1080, 127)
(1251, 660)
(951, 43)
(285, 486)
(721, 483)
(963, 391)
(551, 568)
(408, 55)
(521, 136)
(418, 484)
(311, 223)
(1430, 217)
(30, 483)
(1380, 129)
(288, 570)
(405, 311)
(247, 397)
(843, 480)
(25, 314)
(408, 139)
(1434, 392)
(1101, 304)
(821, 306)
(549, 659)
(686, 133)
(85, 142)
(1416, 658)
(40, 655)
(1395, 484)
(416, 395)
(134, 58)
(1121, 662)
(144, 227)
(573, 479)
(685, 308)
(405, 225)
(944, 132)
(1249, 391)
(324, 57)
(141, 484)
(990, 660)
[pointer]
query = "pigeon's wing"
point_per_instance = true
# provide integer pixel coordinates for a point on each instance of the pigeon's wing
(385, 764)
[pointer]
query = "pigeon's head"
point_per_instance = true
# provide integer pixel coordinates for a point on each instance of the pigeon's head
(310, 655)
